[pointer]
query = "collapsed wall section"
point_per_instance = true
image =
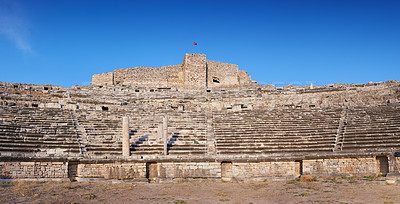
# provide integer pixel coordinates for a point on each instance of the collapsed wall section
(244, 78)
(103, 79)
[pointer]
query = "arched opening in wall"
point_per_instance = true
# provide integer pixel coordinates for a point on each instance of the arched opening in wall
(151, 170)
(151, 90)
(35, 105)
(226, 170)
(382, 165)
(216, 80)
(104, 108)
(137, 90)
(45, 88)
(298, 168)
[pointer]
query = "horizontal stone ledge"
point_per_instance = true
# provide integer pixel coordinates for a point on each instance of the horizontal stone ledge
(231, 158)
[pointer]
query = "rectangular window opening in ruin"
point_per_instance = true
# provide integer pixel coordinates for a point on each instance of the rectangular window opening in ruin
(382, 165)
(298, 168)
(215, 80)
(226, 170)
(151, 170)
(45, 88)
(104, 108)
(35, 105)
(137, 90)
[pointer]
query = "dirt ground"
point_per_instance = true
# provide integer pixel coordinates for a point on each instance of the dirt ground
(320, 190)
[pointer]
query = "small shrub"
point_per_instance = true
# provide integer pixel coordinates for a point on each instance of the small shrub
(224, 200)
(307, 178)
(179, 202)
(369, 178)
(304, 194)
(89, 196)
(17, 93)
(335, 181)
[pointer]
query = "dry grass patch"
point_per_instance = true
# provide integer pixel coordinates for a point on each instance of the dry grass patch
(307, 178)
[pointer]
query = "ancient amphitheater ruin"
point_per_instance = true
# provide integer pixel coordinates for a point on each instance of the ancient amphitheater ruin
(197, 120)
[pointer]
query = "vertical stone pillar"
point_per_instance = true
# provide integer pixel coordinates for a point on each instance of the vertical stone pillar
(165, 134)
(125, 137)
(160, 133)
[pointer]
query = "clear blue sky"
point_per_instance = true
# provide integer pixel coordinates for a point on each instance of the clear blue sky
(278, 42)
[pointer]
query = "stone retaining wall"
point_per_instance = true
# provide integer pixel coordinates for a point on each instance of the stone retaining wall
(16, 170)
(263, 169)
(337, 167)
(192, 170)
(112, 170)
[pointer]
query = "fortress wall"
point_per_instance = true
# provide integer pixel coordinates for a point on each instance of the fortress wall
(17, 170)
(221, 74)
(103, 79)
(195, 75)
(166, 76)
(244, 78)
(343, 166)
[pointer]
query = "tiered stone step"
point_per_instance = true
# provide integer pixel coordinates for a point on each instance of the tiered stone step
(37, 130)
(373, 128)
(103, 135)
(186, 134)
(271, 132)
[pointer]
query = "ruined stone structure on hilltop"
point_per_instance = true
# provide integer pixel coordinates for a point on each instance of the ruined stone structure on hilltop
(136, 129)
(195, 73)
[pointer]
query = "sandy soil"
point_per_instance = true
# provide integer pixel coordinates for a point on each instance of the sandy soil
(323, 190)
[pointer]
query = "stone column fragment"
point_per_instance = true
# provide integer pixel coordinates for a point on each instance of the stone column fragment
(125, 137)
(165, 134)
(160, 133)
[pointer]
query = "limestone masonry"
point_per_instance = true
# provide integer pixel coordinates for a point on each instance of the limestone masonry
(198, 121)
(195, 73)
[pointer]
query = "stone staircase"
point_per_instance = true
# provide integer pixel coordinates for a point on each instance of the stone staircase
(341, 130)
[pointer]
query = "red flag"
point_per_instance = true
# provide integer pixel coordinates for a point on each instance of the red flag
(194, 43)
